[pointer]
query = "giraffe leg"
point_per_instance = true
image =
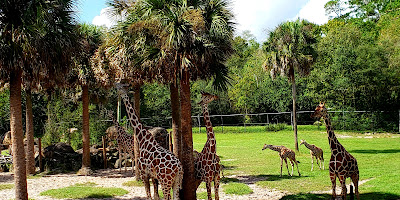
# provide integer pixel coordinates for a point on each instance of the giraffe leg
(333, 180)
(126, 160)
(323, 163)
(355, 178)
(120, 161)
(147, 186)
(281, 166)
(312, 162)
(291, 163)
(155, 189)
(166, 192)
(208, 185)
(316, 158)
(216, 186)
(297, 165)
(342, 180)
(287, 167)
(177, 185)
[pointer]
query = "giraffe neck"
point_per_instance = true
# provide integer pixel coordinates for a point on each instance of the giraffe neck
(333, 142)
(210, 131)
(276, 148)
(307, 145)
(133, 120)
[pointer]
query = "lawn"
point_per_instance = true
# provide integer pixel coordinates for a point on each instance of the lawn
(378, 157)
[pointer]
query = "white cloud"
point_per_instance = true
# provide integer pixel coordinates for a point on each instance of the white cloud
(103, 18)
(314, 12)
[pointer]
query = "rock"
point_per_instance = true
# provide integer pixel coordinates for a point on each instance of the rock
(161, 136)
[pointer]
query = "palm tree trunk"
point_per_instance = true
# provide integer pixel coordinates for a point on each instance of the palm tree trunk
(30, 152)
(136, 97)
(85, 127)
(17, 135)
(188, 187)
(296, 143)
(176, 128)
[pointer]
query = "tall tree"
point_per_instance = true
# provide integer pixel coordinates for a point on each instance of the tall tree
(33, 38)
(90, 39)
(289, 49)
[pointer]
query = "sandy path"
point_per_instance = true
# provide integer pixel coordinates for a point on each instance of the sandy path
(112, 178)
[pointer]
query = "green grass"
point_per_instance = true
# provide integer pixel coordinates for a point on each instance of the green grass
(237, 188)
(6, 186)
(133, 183)
(204, 195)
(240, 152)
(85, 190)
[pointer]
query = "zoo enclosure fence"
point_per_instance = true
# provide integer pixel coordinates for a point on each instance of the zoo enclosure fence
(341, 120)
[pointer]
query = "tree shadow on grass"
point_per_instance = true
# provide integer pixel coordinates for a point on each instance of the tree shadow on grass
(111, 198)
(372, 151)
(364, 196)
(251, 179)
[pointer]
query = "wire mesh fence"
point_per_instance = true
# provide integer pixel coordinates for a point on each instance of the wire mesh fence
(377, 121)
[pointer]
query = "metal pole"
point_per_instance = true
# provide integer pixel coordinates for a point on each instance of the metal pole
(40, 156)
(104, 152)
(399, 120)
(222, 121)
(267, 119)
(291, 119)
(198, 119)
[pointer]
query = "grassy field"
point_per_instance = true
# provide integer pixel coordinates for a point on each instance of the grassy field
(378, 157)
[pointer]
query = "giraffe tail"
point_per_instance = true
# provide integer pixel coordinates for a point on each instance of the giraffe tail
(297, 161)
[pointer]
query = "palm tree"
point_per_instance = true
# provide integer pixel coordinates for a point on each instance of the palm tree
(90, 39)
(32, 35)
(289, 48)
(194, 40)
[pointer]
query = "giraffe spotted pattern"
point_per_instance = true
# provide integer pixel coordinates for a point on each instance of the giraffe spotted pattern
(154, 162)
(207, 165)
(315, 152)
(125, 142)
(284, 153)
(342, 164)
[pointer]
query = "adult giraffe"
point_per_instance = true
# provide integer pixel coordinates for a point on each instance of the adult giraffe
(154, 161)
(206, 165)
(342, 163)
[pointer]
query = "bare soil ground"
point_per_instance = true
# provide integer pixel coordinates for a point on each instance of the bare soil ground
(113, 178)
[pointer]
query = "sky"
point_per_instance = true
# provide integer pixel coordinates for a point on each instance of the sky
(257, 16)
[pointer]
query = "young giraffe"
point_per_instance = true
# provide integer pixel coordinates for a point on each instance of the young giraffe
(284, 153)
(207, 162)
(154, 161)
(124, 141)
(315, 152)
(342, 163)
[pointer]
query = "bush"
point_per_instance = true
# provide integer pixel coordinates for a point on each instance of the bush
(275, 127)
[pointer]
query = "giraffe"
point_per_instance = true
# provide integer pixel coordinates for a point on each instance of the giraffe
(125, 142)
(154, 161)
(315, 152)
(207, 166)
(342, 164)
(284, 153)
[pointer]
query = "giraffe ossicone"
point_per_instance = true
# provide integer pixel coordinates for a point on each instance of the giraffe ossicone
(342, 164)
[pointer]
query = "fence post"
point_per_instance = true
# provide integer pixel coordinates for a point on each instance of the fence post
(104, 152)
(244, 122)
(291, 119)
(267, 119)
(222, 121)
(198, 119)
(399, 121)
(40, 156)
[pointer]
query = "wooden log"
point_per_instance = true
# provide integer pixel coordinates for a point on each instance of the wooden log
(104, 152)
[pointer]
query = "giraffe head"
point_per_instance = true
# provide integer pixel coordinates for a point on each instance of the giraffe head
(120, 87)
(302, 142)
(206, 98)
(266, 146)
(320, 111)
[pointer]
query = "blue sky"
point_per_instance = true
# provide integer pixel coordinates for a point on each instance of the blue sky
(257, 16)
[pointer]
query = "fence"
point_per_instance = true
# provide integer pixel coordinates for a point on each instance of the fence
(341, 120)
